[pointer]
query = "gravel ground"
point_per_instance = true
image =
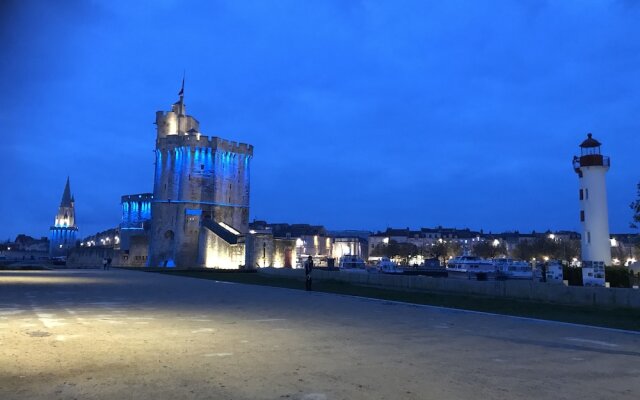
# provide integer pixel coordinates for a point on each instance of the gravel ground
(92, 334)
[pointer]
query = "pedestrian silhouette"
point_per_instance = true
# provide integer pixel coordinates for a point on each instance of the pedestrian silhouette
(308, 268)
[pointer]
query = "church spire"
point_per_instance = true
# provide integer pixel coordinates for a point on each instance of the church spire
(63, 232)
(66, 196)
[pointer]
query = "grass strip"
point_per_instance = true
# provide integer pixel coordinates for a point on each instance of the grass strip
(619, 318)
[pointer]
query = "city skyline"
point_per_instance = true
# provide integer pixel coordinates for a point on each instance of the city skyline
(362, 115)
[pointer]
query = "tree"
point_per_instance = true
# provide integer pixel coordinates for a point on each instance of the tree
(438, 250)
(542, 247)
(395, 249)
(635, 206)
(381, 250)
(442, 250)
(489, 250)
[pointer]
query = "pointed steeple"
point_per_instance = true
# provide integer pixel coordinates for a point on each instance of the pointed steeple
(66, 196)
(63, 231)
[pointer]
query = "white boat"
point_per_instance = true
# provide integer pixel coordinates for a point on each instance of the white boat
(386, 266)
(352, 264)
(470, 267)
(508, 268)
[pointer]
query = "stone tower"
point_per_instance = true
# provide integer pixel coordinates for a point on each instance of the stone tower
(591, 167)
(62, 235)
(198, 180)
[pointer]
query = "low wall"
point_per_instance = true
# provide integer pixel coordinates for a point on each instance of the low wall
(523, 290)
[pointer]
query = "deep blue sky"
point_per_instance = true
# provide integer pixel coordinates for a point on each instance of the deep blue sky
(364, 114)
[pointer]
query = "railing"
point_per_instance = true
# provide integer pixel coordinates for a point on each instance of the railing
(591, 160)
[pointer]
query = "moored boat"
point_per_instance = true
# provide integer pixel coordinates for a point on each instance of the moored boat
(470, 267)
(507, 268)
(351, 263)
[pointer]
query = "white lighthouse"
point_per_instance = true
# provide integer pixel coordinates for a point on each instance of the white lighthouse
(591, 168)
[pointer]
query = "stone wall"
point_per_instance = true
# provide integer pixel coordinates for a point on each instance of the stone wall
(91, 257)
(215, 252)
(23, 255)
(284, 253)
(265, 250)
(522, 290)
(136, 255)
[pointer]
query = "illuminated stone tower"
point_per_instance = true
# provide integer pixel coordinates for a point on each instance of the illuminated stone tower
(591, 167)
(199, 180)
(62, 235)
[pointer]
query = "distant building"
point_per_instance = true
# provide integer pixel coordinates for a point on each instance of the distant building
(315, 241)
(62, 235)
(424, 237)
(28, 243)
(135, 228)
(25, 247)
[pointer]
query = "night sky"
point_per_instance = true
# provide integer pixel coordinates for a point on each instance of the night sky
(363, 114)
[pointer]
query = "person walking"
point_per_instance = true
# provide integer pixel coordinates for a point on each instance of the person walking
(308, 268)
(104, 263)
(109, 263)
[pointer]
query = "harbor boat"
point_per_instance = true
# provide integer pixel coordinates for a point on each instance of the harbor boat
(386, 266)
(352, 264)
(507, 268)
(470, 267)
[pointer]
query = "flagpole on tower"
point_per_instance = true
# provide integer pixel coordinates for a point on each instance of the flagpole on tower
(181, 94)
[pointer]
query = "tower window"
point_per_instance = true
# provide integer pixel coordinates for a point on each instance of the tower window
(581, 215)
(586, 194)
(581, 194)
(588, 237)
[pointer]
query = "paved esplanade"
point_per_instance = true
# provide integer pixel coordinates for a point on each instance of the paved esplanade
(130, 335)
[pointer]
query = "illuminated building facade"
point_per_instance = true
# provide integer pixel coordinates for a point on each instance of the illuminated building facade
(200, 205)
(62, 235)
(198, 213)
(136, 217)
